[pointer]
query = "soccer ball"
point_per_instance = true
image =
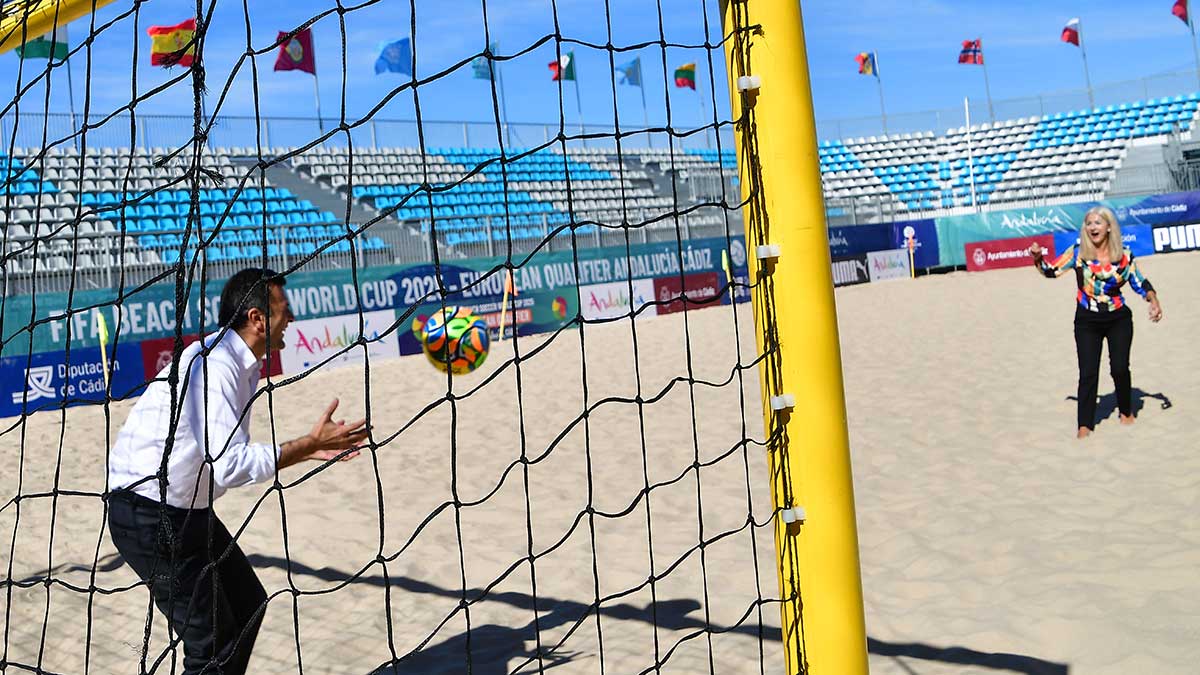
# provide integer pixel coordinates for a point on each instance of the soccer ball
(455, 339)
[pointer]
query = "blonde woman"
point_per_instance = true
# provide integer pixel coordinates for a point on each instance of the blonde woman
(1102, 266)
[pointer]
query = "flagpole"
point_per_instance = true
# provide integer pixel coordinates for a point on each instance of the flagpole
(579, 105)
(970, 154)
(987, 86)
(645, 110)
(879, 84)
(1086, 75)
(1195, 50)
(503, 106)
(317, 98)
(71, 84)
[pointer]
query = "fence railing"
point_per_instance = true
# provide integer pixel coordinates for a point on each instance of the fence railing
(36, 130)
(113, 258)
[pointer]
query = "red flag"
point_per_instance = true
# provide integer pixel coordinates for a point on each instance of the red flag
(1180, 10)
(1071, 32)
(972, 52)
(297, 53)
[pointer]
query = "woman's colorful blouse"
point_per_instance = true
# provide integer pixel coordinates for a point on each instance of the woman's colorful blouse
(1099, 284)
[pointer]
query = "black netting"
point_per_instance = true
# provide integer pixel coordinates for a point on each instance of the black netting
(594, 497)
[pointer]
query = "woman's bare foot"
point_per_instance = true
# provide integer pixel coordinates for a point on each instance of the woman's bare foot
(1127, 419)
(1084, 432)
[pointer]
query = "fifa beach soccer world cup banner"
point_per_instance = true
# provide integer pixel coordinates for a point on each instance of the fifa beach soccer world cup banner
(955, 232)
(552, 290)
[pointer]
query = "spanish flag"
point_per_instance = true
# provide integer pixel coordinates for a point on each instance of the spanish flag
(173, 45)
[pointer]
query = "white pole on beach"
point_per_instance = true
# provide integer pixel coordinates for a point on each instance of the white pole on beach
(970, 154)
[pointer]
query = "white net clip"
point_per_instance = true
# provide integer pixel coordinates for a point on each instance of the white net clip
(795, 514)
(767, 252)
(783, 402)
(749, 83)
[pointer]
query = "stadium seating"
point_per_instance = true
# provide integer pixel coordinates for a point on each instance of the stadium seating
(123, 208)
(116, 191)
(1072, 155)
(471, 192)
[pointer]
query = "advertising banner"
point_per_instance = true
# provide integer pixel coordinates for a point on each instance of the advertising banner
(553, 288)
(614, 300)
(853, 240)
(1173, 238)
(883, 265)
(158, 352)
(850, 271)
(547, 283)
(1138, 238)
(701, 290)
(955, 232)
(45, 380)
(311, 341)
(924, 233)
(1006, 253)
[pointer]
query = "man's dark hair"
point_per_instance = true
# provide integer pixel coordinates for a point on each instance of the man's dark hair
(248, 289)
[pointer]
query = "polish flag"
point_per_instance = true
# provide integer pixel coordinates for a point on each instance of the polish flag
(1071, 32)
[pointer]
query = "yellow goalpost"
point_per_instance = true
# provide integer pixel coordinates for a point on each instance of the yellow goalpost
(803, 399)
(25, 20)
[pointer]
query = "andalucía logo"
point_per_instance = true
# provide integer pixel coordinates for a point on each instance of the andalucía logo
(1023, 220)
(315, 343)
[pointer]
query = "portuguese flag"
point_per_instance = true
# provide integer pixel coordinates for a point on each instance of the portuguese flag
(41, 48)
(172, 45)
(685, 76)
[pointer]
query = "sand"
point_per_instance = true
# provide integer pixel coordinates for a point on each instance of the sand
(992, 540)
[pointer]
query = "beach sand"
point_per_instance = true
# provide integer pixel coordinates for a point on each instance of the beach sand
(992, 541)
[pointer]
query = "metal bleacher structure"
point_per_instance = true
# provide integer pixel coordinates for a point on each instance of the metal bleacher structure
(125, 215)
(1063, 157)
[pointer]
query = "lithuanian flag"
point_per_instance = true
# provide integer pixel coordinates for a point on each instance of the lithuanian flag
(685, 76)
(173, 45)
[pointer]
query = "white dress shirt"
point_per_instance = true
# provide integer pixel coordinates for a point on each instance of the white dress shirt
(222, 428)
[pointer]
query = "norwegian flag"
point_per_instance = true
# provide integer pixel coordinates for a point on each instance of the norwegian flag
(972, 52)
(1070, 32)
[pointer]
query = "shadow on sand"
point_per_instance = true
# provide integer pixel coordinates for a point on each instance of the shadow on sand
(1106, 407)
(492, 649)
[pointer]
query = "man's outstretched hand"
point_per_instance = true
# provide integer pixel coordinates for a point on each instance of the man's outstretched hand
(328, 440)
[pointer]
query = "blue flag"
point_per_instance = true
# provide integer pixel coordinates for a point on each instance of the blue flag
(631, 73)
(395, 57)
(482, 66)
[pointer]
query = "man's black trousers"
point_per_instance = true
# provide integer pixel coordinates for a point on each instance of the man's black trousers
(198, 576)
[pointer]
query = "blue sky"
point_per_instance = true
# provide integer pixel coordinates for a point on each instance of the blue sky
(917, 42)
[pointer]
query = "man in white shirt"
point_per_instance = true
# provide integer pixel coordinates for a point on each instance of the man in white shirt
(184, 444)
